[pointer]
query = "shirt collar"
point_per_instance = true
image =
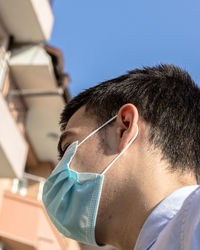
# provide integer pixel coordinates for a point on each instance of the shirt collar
(161, 216)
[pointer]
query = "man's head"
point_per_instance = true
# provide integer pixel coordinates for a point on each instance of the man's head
(167, 100)
(164, 103)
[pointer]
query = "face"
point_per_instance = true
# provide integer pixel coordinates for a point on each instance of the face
(91, 156)
(94, 155)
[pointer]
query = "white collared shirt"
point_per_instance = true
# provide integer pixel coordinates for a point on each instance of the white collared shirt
(174, 224)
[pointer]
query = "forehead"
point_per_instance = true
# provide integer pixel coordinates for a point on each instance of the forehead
(81, 120)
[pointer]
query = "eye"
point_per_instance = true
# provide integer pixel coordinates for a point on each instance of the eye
(62, 151)
(65, 148)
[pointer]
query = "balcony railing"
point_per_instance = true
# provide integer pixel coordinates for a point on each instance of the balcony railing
(22, 186)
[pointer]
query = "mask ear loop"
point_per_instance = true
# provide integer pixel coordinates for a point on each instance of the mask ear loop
(96, 130)
(116, 158)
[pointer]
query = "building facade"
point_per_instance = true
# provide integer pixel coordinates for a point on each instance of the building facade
(33, 92)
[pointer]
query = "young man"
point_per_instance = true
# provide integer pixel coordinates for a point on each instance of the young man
(130, 155)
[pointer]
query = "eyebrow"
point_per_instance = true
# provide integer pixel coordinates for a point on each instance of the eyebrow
(62, 139)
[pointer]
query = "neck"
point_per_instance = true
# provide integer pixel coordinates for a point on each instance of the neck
(133, 212)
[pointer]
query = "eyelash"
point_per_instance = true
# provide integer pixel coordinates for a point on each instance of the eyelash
(65, 148)
(62, 152)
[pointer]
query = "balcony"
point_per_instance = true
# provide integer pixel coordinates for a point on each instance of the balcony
(32, 69)
(13, 147)
(27, 20)
(4, 56)
(25, 225)
(4, 37)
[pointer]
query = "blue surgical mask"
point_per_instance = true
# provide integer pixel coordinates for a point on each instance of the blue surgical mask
(72, 199)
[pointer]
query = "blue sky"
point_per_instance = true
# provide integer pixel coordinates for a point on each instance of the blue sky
(103, 39)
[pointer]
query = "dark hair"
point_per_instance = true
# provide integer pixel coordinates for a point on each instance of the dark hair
(167, 99)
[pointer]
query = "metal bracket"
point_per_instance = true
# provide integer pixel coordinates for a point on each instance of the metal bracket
(35, 92)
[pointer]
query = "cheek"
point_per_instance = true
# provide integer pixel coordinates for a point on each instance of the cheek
(115, 183)
(110, 198)
(87, 159)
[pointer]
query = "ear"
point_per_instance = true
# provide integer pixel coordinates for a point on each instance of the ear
(127, 120)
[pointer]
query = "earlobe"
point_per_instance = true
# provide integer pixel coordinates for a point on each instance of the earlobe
(127, 120)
